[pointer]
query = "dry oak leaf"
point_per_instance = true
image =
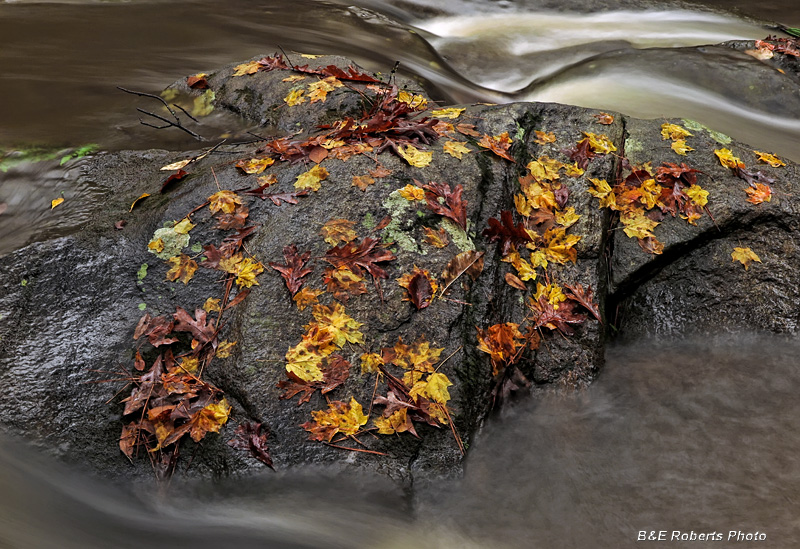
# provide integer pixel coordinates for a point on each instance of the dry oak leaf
(338, 230)
(223, 201)
(456, 149)
(727, 159)
(311, 179)
(745, 256)
(182, 268)
(770, 159)
(451, 113)
(254, 165)
(414, 156)
(500, 342)
(200, 328)
(759, 193)
(341, 417)
(412, 192)
(498, 144)
(294, 270)
(363, 181)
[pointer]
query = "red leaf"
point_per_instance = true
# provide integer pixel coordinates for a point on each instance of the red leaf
(197, 82)
(453, 207)
(177, 176)
(420, 290)
(584, 298)
(506, 232)
(365, 255)
(156, 329)
(249, 438)
(294, 270)
(581, 153)
(201, 330)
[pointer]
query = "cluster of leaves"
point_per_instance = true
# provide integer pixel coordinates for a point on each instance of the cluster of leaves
(758, 189)
(767, 48)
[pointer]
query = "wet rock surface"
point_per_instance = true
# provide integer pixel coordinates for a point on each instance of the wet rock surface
(69, 306)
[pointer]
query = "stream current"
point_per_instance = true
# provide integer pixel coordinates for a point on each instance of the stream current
(675, 436)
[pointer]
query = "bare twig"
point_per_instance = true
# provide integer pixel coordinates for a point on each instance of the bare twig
(169, 123)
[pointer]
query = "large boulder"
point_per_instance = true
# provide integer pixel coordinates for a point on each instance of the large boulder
(71, 306)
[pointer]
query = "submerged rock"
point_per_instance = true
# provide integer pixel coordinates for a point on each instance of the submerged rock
(69, 306)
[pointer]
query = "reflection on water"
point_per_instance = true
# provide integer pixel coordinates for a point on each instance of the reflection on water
(682, 437)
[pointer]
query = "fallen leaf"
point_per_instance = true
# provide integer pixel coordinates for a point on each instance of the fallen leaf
(311, 179)
(758, 194)
(451, 113)
(212, 304)
(379, 172)
(365, 255)
(57, 201)
(249, 438)
(145, 195)
(437, 239)
(500, 342)
(255, 165)
(745, 256)
(414, 156)
(197, 81)
(604, 118)
(674, 132)
(770, 159)
(177, 165)
(294, 270)
(727, 159)
(469, 262)
(295, 97)
(306, 297)
(680, 147)
(543, 138)
(412, 192)
(341, 417)
(338, 230)
(514, 281)
(456, 149)
(182, 268)
(443, 200)
(177, 176)
(498, 144)
(363, 181)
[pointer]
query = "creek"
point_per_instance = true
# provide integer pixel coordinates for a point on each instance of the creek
(675, 436)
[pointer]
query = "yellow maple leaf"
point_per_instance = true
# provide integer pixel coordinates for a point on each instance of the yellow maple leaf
(228, 264)
(310, 56)
(255, 165)
(567, 218)
(553, 293)
(397, 422)
(190, 364)
(294, 78)
(416, 102)
(224, 201)
(451, 113)
(311, 179)
(318, 91)
(559, 246)
(343, 327)
(525, 270)
(758, 194)
(251, 67)
(370, 363)
(246, 271)
(157, 245)
(295, 97)
(674, 132)
(436, 388)
(341, 417)
(521, 204)
(727, 159)
(540, 196)
(698, 195)
(304, 359)
(572, 170)
(225, 348)
(210, 419)
(602, 190)
(650, 193)
(542, 138)
(770, 159)
(745, 256)
(545, 168)
(636, 224)
(338, 230)
(414, 156)
(212, 305)
(680, 147)
(306, 297)
(600, 143)
(456, 149)
(183, 226)
(182, 268)
(57, 201)
(412, 192)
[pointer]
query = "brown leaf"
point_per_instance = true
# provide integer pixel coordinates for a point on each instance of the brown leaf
(585, 298)
(514, 281)
(318, 154)
(470, 262)
(509, 235)
(294, 269)
(200, 329)
(451, 206)
(156, 329)
(177, 176)
(420, 290)
(197, 82)
(437, 239)
(365, 255)
(379, 172)
(119, 225)
(363, 181)
(498, 144)
(249, 438)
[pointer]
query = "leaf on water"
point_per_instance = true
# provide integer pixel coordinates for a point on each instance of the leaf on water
(745, 256)
(57, 201)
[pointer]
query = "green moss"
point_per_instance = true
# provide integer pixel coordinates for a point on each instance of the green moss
(142, 273)
(368, 222)
(695, 126)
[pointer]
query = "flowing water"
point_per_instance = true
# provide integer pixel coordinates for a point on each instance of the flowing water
(681, 437)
